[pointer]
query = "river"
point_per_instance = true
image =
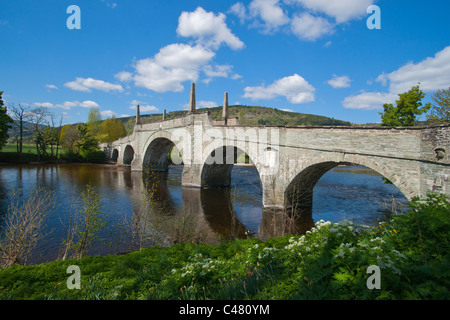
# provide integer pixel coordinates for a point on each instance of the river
(187, 214)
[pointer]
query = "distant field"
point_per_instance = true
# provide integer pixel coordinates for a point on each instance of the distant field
(8, 153)
(26, 148)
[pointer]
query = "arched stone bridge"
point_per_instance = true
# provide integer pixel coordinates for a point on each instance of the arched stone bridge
(289, 160)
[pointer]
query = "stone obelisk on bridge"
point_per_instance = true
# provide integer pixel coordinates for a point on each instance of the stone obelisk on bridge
(192, 107)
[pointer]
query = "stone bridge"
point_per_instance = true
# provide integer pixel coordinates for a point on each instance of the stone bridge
(289, 160)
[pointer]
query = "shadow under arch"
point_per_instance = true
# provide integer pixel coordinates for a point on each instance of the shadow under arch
(157, 154)
(300, 192)
(217, 168)
(115, 155)
(128, 155)
(220, 178)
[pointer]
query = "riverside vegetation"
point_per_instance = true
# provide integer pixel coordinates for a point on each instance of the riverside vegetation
(328, 262)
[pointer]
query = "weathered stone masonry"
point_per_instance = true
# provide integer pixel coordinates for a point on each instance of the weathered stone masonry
(290, 160)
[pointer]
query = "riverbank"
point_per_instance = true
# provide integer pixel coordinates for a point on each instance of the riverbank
(330, 262)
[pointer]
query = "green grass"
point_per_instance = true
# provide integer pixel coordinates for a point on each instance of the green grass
(330, 262)
(26, 148)
(9, 154)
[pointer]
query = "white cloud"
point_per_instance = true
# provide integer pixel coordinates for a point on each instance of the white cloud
(339, 81)
(210, 29)
(308, 27)
(295, 88)
(86, 84)
(205, 104)
(201, 104)
(143, 106)
(341, 11)
(240, 11)
(433, 73)
(270, 12)
(67, 105)
(369, 100)
(124, 76)
(51, 86)
(108, 114)
(223, 71)
(89, 104)
(44, 104)
(171, 66)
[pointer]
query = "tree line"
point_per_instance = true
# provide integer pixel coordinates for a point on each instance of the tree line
(44, 130)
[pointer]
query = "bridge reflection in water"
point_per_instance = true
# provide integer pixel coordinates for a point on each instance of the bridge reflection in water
(213, 214)
(232, 212)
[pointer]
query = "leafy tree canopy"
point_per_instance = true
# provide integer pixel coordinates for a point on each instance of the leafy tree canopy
(5, 122)
(440, 110)
(408, 107)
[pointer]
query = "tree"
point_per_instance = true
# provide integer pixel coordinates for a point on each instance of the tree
(408, 107)
(111, 130)
(5, 123)
(38, 116)
(86, 141)
(20, 114)
(69, 136)
(440, 110)
(94, 121)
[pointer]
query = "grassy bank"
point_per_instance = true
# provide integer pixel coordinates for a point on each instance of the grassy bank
(9, 154)
(330, 262)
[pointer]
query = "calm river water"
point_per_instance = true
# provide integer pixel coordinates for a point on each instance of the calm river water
(351, 193)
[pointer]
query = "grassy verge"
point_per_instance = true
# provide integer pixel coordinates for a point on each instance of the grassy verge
(330, 262)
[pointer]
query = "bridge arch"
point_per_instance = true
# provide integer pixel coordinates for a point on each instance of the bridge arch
(299, 193)
(156, 151)
(128, 155)
(218, 164)
(115, 155)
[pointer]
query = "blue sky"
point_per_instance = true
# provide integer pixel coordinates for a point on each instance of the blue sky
(310, 56)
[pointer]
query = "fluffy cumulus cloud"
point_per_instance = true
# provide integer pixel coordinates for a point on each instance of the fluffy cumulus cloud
(433, 73)
(123, 76)
(307, 19)
(308, 27)
(86, 84)
(341, 11)
(177, 63)
(294, 88)
(369, 100)
(208, 28)
(239, 10)
(143, 106)
(270, 12)
(222, 71)
(171, 66)
(339, 81)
